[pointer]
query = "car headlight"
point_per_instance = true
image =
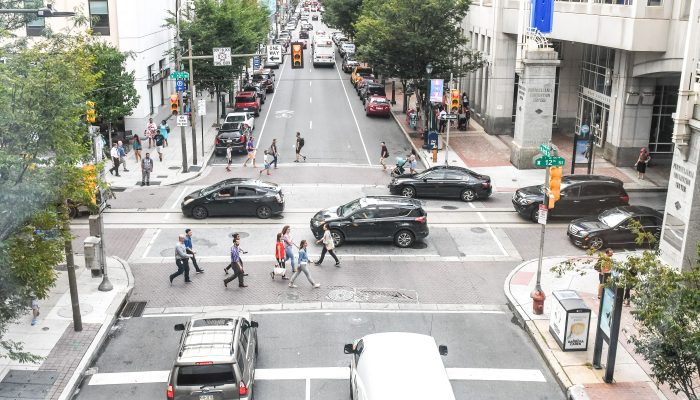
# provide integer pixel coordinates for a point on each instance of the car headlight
(187, 201)
(317, 222)
(525, 202)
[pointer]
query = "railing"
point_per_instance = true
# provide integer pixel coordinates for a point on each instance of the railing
(535, 37)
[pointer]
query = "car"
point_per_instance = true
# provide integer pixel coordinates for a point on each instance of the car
(291, 26)
(365, 81)
(359, 73)
(266, 79)
(307, 27)
(304, 17)
(303, 34)
(349, 63)
(230, 134)
(259, 91)
(371, 89)
(338, 38)
(613, 227)
(346, 47)
(235, 197)
(216, 357)
(374, 218)
(398, 365)
(443, 181)
(378, 105)
(314, 17)
(581, 195)
(247, 118)
(247, 101)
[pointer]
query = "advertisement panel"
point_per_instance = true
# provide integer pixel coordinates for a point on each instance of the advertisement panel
(436, 90)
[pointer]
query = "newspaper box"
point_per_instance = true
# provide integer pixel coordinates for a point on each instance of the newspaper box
(569, 321)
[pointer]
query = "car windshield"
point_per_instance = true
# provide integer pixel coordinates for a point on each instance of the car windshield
(231, 126)
(349, 208)
(205, 375)
(612, 217)
(245, 99)
(235, 118)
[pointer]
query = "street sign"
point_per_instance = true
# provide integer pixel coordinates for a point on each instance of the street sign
(544, 149)
(542, 215)
(180, 85)
(546, 161)
(256, 62)
(436, 90)
(450, 116)
(182, 120)
(274, 53)
(179, 75)
(222, 56)
(201, 107)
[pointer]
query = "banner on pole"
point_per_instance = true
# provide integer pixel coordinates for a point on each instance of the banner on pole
(436, 90)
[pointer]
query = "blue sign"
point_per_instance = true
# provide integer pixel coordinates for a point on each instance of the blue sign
(256, 62)
(436, 90)
(584, 130)
(180, 85)
(542, 15)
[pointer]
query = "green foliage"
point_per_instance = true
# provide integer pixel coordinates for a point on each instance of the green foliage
(342, 14)
(10, 22)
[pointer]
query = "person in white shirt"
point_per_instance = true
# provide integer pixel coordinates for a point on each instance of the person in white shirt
(114, 153)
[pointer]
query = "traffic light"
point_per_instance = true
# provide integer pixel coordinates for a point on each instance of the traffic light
(297, 55)
(90, 115)
(454, 106)
(555, 174)
(173, 104)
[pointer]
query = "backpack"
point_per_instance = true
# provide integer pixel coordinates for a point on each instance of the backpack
(301, 142)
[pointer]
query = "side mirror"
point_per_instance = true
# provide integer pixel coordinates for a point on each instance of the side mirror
(254, 324)
(347, 349)
(179, 327)
(442, 349)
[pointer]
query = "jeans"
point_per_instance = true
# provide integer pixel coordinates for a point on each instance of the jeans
(194, 260)
(302, 268)
(289, 255)
(237, 273)
(323, 254)
(145, 176)
(183, 266)
(274, 160)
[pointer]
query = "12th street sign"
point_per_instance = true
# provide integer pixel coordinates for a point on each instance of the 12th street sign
(549, 161)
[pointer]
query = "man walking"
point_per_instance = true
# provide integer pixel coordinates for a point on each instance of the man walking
(188, 246)
(298, 147)
(181, 260)
(146, 169)
(114, 153)
(237, 236)
(273, 152)
(159, 139)
(236, 263)
(122, 155)
(383, 155)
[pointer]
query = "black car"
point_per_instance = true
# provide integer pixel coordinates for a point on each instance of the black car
(314, 17)
(230, 135)
(390, 218)
(303, 34)
(266, 80)
(236, 196)
(443, 181)
(581, 195)
(612, 227)
(371, 89)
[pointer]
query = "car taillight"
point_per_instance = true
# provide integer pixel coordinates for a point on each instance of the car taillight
(421, 220)
(486, 185)
(242, 389)
(625, 198)
(170, 393)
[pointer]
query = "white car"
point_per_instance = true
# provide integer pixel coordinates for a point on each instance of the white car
(247, 118)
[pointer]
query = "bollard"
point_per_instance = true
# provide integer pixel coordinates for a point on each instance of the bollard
(434, 153)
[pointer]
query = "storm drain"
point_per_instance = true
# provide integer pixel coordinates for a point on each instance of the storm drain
(133, 309)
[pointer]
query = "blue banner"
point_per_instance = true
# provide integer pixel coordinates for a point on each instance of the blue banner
(542, 15)
(436, 90)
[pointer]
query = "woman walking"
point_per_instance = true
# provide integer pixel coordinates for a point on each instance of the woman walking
(164, 131)
(303, 267)
(279, 254)
(288, 246)
(328, 246)
(136, 146)
(642, 162)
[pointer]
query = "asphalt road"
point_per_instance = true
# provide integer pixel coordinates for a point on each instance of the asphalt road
(478, 340)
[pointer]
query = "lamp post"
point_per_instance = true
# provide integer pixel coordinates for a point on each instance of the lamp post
(429, 70)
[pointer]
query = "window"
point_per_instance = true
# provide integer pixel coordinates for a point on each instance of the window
(245, 333)
(99, 16)
(661, 132)
(224, 193)
(391, 212)
(649, 222)
(454, 175)
(594, 190)
(246, 192)
(366, 213)
(435, 175)
(572, 191)
(36, 26)
(211, 374)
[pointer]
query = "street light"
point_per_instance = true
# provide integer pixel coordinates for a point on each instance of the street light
(429, 70)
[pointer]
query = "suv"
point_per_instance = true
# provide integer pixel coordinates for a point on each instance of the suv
(349, 63)
(581, 195)
(247, 101)
(259, 90)
(371, 89)
(266, 79)
(216, 357)
(393, 218)
(230, 134)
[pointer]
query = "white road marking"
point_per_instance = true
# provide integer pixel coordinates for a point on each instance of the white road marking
(129, 378)
(493, 234)
(388, 311)
(310, 100)
(494, 374)
(357, 124)
(153, 239)
(309, 83)
(308, 389)
(262, 130)
(275, 374)
(311, 124)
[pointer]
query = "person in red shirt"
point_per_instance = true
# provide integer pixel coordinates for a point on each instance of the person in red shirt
(279, 254)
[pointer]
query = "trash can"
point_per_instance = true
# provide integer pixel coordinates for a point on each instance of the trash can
(569, 321)
(93, 257)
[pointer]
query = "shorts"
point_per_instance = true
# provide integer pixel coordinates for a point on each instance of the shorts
(251, 155)
(267, 165)
(159, 149)
(414, 164)
(35, 304)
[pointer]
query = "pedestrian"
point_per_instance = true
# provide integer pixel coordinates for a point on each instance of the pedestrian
(303, 267)
(165, 132)
(266, 163)
(188, 246)
(114, 153)
(237, 236)
(273, 152)
(35, 310)
(604, 267)
(122, 155)
(151, 129)
(298, 146)
(229, 157)
(236, 265)
(279, 254)
(412, 162)
(328, 246)
(146, 169)
(250, 149)
(642, 162)
(136, 146)
(627, 295)
(289, 246)
(211, 94)
(159, 141)
(383, 155)
(182, 260)
(465, 100)
(442, 116)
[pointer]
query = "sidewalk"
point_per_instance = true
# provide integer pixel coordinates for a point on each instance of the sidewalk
(573, 369)
(490, 155)
(169, 171)
(65, 353)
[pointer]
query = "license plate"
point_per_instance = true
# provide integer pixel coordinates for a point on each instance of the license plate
(206, 397)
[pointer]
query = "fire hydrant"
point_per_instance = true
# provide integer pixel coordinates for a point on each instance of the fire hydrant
(434, 153)
(537, 297)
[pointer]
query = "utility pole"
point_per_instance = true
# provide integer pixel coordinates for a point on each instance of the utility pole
(449, 122)
(183, 137)
(193, 106)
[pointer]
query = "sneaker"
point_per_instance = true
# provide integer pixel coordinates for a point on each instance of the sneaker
(171, 281)
(225, 284)
(337, 264)
(316, 286)
(317, 263)
(143, 183)
(201, 271)
(148, 183)
(291, 285)
(304, 158)
(33, 321)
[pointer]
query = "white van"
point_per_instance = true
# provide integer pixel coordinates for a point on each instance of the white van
(398, 365)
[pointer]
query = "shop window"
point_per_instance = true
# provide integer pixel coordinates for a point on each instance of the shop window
(99, 16)
(654, 3)
(661, 132)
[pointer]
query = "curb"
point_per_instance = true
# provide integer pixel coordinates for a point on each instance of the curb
(92, 351)
(331, 306)
(408, 137)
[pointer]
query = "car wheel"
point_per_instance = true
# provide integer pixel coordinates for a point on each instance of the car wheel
(534, 214)
(199, 212)
(468, 195)
(597, 243)
(404, 239)
(263, 212)
(408, 191)
(338, 237)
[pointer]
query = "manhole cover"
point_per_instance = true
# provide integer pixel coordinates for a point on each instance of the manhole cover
(340, 295)
(241, 234)
(478, 230)
(419, 245)
(449, 207)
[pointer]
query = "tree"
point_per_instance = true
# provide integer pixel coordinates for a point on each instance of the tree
(400, 38)
(342, 14)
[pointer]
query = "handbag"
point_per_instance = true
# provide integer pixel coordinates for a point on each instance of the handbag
(279, 270)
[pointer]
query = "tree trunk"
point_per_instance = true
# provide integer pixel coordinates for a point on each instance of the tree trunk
(405, 96)
(72, 284)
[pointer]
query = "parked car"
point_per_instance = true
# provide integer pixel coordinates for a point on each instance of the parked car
(216, 357)
(443, 181)
(233, 197)
(363, 82)
(391, 218)
(359, 73)
(314, 17)
(581, 195)
(247, 118)
(349, 63)
(303, 34)
(247, 101)
(230, 134)
(612, 227)
(378, 105)
(266, 79)
(339, 37)
(346, 47)
(372, 89)
(259, 90)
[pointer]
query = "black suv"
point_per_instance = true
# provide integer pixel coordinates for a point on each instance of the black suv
(230, 135)
(581, 195)
(392, 218)
(371, 89)
(612, 227)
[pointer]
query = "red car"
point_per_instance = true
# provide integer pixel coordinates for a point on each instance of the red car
(247, 101)
(378, 105)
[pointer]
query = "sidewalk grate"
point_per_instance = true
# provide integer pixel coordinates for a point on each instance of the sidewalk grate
(133, 309)
(173, 168)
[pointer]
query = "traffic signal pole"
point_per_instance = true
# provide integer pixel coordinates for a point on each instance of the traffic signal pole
(193, 107)
(183, 137)
(538, 295)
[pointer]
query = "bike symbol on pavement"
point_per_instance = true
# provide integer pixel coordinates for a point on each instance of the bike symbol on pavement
(284, 114)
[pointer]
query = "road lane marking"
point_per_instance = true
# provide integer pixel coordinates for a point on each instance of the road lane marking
(490, 230)
(357, 124)
(311, 125)
(308, 389)
(256, 309)
(310, 100)
(277, 374)
(176, 203)
(150, 244)
(274, 96)
(129, 378)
